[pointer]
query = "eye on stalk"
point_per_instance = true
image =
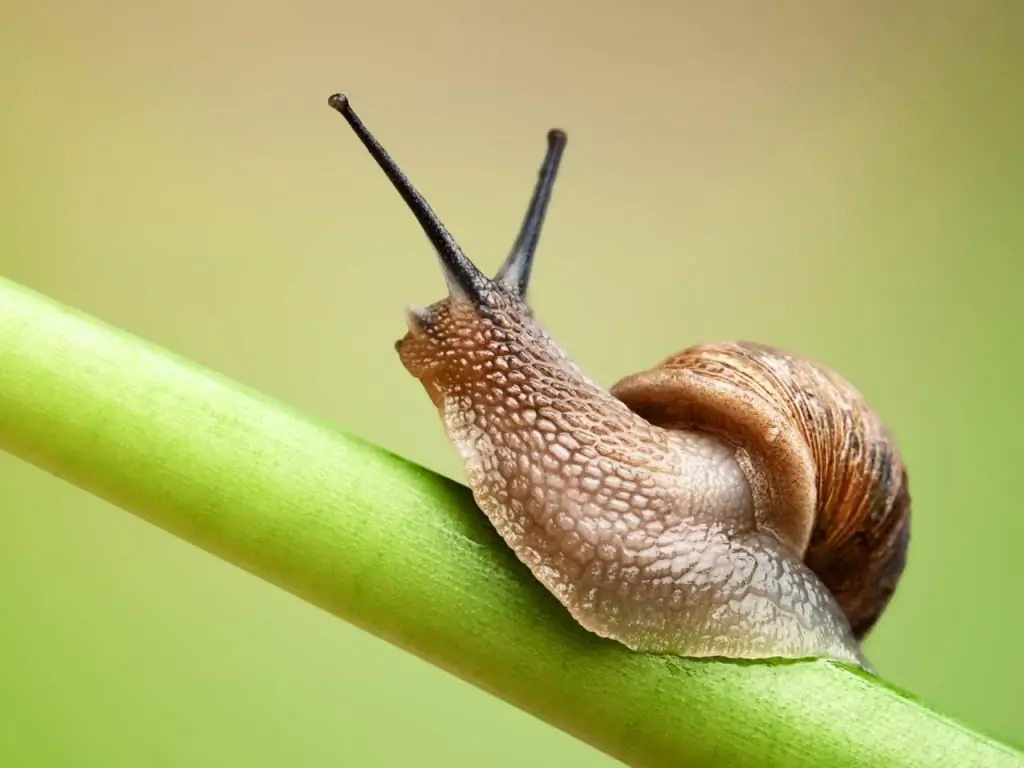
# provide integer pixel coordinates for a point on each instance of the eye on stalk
(515, 272)
(463, 278)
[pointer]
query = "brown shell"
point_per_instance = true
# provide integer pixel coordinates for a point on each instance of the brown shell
(826, 475)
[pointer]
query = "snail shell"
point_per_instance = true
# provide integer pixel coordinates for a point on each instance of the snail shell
(826, 474)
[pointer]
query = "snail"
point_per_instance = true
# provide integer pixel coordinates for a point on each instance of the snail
(733, 501)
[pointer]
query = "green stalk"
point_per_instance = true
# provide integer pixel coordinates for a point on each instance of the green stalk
(405, 554)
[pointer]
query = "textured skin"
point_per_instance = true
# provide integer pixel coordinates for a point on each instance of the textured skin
(650, 536)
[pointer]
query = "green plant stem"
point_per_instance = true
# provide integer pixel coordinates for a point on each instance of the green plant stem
(405, 554)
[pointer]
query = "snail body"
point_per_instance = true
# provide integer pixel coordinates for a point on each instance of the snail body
(732, 501)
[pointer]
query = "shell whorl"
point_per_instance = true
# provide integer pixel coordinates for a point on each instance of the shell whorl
(825, 473)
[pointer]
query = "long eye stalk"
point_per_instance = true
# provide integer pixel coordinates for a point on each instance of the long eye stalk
(515, 272)
(462, 276)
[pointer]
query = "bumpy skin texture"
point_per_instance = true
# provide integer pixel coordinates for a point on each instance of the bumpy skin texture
(651, 536)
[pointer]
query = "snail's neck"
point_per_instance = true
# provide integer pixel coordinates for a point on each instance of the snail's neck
(528, 396)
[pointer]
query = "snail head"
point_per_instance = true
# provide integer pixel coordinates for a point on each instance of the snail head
(448, 343)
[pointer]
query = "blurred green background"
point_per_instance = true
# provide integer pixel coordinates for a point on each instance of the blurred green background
(846, 183)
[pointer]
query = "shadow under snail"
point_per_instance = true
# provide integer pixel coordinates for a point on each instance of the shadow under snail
(733, 501)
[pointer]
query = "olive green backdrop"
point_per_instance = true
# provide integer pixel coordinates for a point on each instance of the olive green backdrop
(844, 183)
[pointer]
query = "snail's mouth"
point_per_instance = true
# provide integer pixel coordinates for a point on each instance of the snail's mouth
(419, 358)
(415, 336)
(407, 353)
